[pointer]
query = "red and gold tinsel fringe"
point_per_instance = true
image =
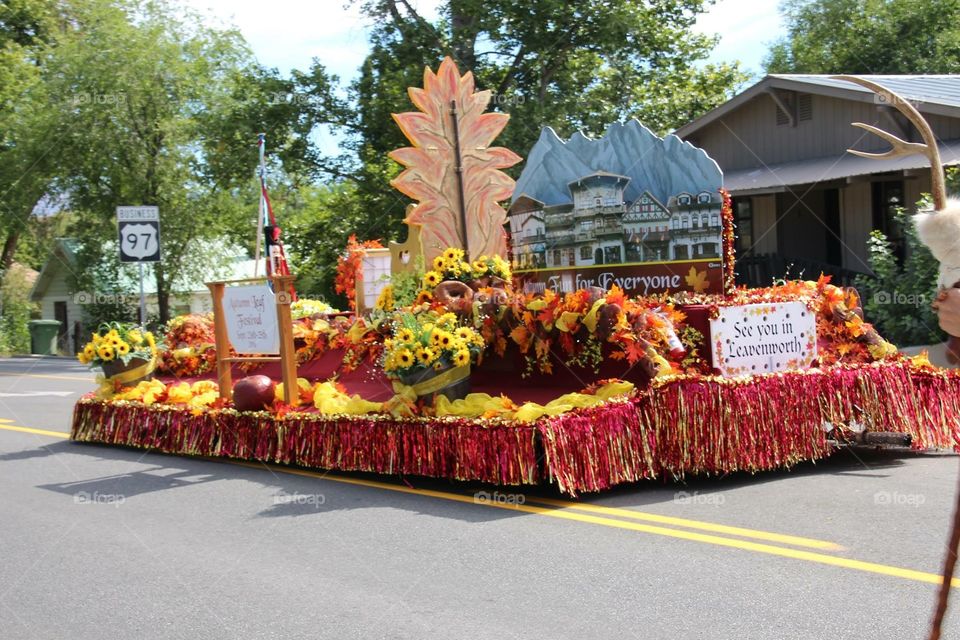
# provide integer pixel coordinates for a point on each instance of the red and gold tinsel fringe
(443, 448)
(679, 426)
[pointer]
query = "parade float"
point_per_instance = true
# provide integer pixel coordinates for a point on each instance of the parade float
(601, 340)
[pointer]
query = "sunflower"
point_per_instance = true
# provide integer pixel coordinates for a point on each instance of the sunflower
(150, 341)
(439, 264)
(461, 357)
(432, 278)
(405, 358)
(435, 338)
(480, 265)
(89, 351)
(134, 336)
(424, 296)
(97, 338)
(502, 267)
(123, 348)
(464, 333)
(405, 335)
(447, 320)
(445, 339)
(106, 352)
(453, 254)
(425, 355)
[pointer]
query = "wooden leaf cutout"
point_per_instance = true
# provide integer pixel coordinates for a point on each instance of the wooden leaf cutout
(430, 175)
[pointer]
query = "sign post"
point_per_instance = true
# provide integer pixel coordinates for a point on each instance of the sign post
(257, 322)
(139, 232)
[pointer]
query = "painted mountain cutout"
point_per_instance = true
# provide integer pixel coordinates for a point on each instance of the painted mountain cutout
(630, 209)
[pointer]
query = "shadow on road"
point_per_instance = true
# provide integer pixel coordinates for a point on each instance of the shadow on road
(299, 496)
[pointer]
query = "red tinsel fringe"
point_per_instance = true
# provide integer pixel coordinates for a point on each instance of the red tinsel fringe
(686, 425)
(448, 448)
(714, 425)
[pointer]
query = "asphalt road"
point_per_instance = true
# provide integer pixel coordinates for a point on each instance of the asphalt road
(99, 542)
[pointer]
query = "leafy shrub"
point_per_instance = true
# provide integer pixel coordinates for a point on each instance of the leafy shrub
(897, 301)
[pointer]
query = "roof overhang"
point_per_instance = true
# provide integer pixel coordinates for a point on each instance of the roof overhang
(827, 170)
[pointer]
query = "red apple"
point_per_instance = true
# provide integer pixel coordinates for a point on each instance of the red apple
(253, 393)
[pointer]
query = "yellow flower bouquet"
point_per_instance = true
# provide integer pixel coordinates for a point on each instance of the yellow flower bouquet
(451, 265)
(124, 351)
(431, 353)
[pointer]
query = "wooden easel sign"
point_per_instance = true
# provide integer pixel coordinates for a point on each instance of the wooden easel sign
(255, 321)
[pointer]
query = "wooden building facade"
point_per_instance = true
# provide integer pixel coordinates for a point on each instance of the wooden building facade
(799, 197)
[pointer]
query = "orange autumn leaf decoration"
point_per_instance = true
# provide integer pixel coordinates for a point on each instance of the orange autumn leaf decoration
(430, 174)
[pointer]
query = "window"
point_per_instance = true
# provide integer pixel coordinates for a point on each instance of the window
(674, 223)
(680, 252)
(703, 198)
(715, 220)
(743, 220)
(556, 257)
(683, 198)
(598, 201)
(611, 255)
(804, 107)
(704, 220)
(585, 253)
(586, 225)
(696, 222)
(685, 222)
(571, 258)
(782, 117)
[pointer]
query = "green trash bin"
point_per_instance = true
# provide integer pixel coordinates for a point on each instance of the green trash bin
(43, 337)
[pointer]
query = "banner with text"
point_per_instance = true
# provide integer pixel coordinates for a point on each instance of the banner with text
(763, 338)
(251, 318)
(700, 276)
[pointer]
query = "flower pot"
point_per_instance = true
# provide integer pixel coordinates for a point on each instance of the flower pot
(137, 370)
(453, 382)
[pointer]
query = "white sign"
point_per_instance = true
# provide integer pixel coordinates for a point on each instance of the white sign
(763, 338)
(251, 315)
(139, 232)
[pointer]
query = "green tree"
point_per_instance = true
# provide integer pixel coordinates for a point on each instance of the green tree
(27, 139)
(318, 223)
(553, 62)
(160, 109)
(868, 37)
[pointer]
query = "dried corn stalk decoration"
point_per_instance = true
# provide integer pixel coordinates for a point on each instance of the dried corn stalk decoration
(451, 171)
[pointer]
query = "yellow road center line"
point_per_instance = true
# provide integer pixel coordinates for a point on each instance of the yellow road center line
(44, 375)
(756, 534)
(565, 514)
(757, 547)
(39, 432)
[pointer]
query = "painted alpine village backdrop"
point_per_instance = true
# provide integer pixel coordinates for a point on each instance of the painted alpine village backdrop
(630, 209)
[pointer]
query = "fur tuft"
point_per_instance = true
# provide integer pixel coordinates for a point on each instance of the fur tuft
(940, 231)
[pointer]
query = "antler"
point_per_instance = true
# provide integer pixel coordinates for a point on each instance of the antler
(900, 147)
